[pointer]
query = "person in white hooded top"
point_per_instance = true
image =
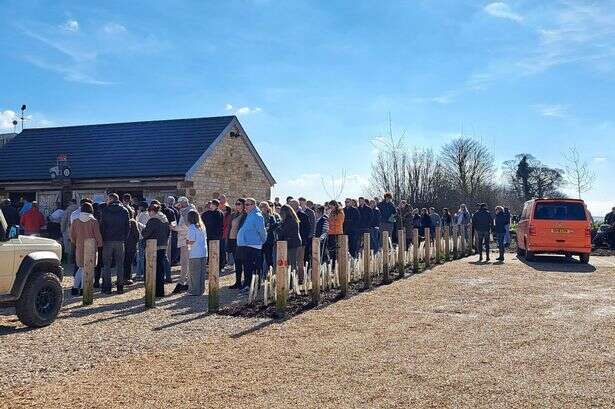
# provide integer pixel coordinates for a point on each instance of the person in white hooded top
(184, 207)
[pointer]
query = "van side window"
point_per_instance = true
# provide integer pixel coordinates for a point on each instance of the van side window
(525, 212)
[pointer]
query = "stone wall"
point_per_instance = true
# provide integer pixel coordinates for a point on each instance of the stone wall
(232, 170)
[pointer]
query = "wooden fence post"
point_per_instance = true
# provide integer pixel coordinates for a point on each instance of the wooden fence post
(472, 242)
(367, 255)
(385, 255)
(427, 246)
(150, 272)
(415, 249)
(342, 263)
(438, 244)
(316, 270)
(213, 276)
(89, 263)
(401, 251)
(281, 279)
(447, 243)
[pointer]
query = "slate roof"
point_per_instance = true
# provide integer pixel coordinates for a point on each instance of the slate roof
(132, 149)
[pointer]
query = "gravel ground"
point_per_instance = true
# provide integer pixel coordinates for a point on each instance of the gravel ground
(461, 334)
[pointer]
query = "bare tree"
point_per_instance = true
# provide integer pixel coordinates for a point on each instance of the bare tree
(578, 174)
(470, 166)
(389, 170)
(334, 188)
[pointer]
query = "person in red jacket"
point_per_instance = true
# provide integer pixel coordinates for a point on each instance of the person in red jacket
(32, 221)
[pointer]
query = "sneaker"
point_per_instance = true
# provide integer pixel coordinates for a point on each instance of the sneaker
(179, 288)
(128, 282)
(120, 289)
(106, 291)
(96, 284)
(74, 291)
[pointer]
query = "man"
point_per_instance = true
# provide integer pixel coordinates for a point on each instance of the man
(250, 239)
(352, 225)
(114, 228)
(184, 206)
(126, 202)
(387, 214)
(221, 202)
(142, 219)
(462, 219)
(305, 231)
(482, 221)
(214, 225)
(11, 214)
(32, 221)
(172, 222)
(436, 221)
(288, 199)
(365, 222)
(172, 252)
(375, 226)
(322, 231)
(610, 219)
(54, 229)
(303, 205)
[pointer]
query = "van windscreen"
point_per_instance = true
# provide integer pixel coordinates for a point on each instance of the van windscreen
(559, 211)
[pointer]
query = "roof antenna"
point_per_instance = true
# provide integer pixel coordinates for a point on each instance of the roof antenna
(23, 108)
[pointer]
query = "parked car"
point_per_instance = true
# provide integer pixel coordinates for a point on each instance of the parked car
(30, 276)
(556, 226)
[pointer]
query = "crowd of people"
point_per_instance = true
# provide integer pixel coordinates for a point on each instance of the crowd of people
(247, 231)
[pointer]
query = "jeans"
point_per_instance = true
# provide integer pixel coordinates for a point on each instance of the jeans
(141, 259)
(374, 238)
(113, 250)
(198, 270)
(129, 257)
(482, 239)
(353, 244)
(185, 265)
(507, 235)
(160, 258)
(501, 238)
(250, 258)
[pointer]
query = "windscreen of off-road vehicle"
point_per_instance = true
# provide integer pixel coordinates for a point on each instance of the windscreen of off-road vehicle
(559, 211)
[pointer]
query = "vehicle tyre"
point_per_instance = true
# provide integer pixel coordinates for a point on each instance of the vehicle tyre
(40, 301)
(568, 257)
(529, 255)
(584, 258)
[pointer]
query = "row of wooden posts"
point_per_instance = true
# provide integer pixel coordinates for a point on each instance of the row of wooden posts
(448, 244)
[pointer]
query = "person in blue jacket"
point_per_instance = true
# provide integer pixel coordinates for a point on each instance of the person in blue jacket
(250, 239)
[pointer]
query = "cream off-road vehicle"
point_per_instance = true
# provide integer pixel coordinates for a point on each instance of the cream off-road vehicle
(30, 277)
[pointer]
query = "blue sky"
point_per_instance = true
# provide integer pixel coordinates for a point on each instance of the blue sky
(313, 82)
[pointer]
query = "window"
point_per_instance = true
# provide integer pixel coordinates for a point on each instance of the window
(559, 211)
(525, 212)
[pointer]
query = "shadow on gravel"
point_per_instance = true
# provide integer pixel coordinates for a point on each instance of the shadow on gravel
(6, 330)
(557, 264)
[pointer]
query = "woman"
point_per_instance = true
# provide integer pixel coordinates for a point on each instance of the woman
(336, 229)
(83, 228)
(271, 225)
(501, 220)
(289, 232)
(447, 219)
(226, 227)
(157, 228)
(197, 242)
(237, 219)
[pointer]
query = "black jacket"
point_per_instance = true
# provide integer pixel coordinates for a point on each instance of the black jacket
(157, 229)
(214, 224)
(447, 219)
(322, 228)
(169, 213)
(312, 218)
(289, 232)
(482, 221)
(305, 228)
(114, 224)
(387, 209)
(608, 219)
(272, 226)
(352, 220)
(425, 222)
(501, 220)
(375, 217)
(366, 214)
(133, 237)
(11, 215)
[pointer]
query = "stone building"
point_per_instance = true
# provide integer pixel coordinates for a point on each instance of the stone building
(198, 157)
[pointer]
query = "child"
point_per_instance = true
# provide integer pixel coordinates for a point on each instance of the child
(197, 242)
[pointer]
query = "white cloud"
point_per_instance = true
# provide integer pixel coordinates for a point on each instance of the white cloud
(553, 111)
(600, 159)
(502, 10)
(70, 73)
(114, 28)
(6, 120)
(242, 110)
(319, 187)
(70, 25)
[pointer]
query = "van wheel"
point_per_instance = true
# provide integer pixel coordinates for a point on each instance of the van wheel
(529, 255)
(584, 258)
(40, 301)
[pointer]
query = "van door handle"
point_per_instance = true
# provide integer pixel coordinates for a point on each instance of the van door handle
(561, 241)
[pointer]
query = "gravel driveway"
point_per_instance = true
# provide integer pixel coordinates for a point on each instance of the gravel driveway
(461, 334)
